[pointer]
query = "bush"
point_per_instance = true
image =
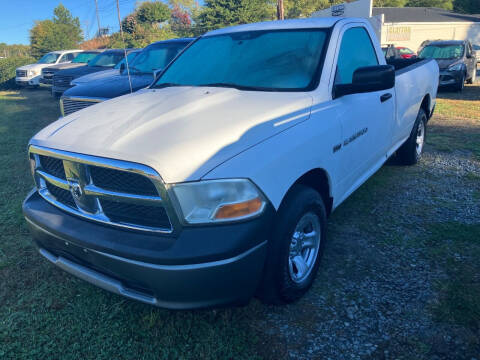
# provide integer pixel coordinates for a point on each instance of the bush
(7, 70)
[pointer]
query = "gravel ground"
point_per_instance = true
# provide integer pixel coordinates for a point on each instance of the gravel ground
(372, 296)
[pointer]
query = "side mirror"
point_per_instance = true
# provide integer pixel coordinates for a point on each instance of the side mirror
(367, 79)
(122, 67)
(157, 73)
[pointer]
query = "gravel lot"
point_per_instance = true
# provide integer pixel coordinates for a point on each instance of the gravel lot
(377, 287)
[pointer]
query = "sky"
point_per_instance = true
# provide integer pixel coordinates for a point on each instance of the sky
(17, 17)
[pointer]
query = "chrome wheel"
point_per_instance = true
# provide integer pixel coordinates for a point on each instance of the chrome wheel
(420, 137)
(304, 246)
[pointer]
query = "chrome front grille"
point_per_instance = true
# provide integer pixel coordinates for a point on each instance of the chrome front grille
(21, 73)
(108, 191)
(48, 73)
(71, 105)
(62, 81)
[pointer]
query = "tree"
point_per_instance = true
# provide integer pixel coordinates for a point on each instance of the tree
(443, 4)
(152, 12)
(129, 24)
(305, 8)
(389, 3)
(467, 6)
(61, 33)
(220, 13)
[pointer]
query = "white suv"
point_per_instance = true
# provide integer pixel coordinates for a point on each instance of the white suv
(31, 74)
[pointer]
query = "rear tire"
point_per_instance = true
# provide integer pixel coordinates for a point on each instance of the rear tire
(295, 248)
(411, 151)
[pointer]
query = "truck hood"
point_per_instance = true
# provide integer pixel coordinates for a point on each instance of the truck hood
(81, 71)
(181, 132)
(70, 65)
(445, 63)
(34, 66)
(96, 76)
(111, 86)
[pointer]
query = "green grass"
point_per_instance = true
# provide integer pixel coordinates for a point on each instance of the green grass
(456, 247)
(47, 314)
(464, 105)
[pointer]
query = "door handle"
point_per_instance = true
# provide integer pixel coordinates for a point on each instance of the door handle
(385, 97)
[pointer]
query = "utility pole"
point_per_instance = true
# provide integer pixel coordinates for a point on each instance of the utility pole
(98, 17)
(280, 11)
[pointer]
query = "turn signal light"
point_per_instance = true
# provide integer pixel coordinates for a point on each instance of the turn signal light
(239, 210)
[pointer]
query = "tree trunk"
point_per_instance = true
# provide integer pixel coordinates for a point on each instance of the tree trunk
(280, 11)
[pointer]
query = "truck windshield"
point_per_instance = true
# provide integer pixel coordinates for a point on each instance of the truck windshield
(131, 56)
(84, 57)
(49, 58)
(155, 57)
(107, 59)
(270, 60)
(441, 52)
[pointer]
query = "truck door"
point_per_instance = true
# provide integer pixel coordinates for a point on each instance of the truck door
(366, 118)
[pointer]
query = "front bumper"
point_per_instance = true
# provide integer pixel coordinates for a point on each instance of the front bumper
(46, 81)
(200, 267)
(448, 78)
(25, 81)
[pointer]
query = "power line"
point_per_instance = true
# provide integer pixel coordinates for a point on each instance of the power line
(98, 17)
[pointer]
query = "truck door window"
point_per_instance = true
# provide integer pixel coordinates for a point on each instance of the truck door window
(356, 50)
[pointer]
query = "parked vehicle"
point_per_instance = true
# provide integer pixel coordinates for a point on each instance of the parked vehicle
(106, 73)
(80, 60)
(215, 183)
(29, 75)
(106, 60)
(397, 52)
(154, 57)
(476, 48)
(456, 60)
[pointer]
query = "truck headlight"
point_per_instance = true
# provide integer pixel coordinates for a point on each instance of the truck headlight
(32, 73)
(456, 67)
(218, 200)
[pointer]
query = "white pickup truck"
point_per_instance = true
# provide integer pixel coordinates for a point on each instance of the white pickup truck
(30, 75)
(215, 183)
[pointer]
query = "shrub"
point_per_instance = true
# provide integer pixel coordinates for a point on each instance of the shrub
(7, 70)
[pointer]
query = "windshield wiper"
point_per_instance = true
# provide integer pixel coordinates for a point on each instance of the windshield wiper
(165, 85)
(238, 87)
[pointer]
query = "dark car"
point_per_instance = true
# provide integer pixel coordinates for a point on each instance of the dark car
(81, 59)
(151, 60)
(456, 60)
(106, 60)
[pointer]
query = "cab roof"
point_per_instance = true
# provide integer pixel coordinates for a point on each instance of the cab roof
(179, 40)
(307, 23)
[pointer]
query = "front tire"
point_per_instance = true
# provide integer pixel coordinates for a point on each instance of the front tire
(474, 76)
(295, 248)
(411, 151)
(459, 87)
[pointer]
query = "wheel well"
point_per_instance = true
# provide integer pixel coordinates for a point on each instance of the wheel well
(318, 180)
(426, 105)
